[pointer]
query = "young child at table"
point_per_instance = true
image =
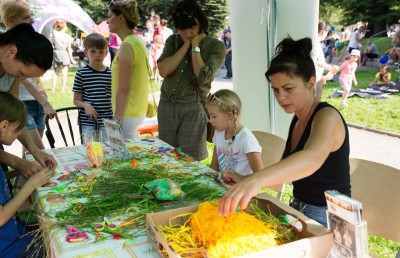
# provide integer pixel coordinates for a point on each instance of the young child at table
(382, 78)
(14, 240)
(92, 85)
(236, 148)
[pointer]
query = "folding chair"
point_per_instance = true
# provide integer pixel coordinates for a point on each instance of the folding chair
(61, 127)
(377, 187)
(272, 150)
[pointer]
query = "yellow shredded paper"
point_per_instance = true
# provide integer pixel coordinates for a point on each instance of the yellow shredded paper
(208, 234)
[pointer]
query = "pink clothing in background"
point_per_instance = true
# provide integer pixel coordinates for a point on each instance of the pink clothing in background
(113, 41)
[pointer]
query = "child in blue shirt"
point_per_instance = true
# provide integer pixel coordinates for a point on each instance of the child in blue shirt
(14, 240)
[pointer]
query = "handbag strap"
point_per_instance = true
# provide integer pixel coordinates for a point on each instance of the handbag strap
(150, 81)
(198, 90)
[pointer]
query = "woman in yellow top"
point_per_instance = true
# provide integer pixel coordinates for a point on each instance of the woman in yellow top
(382, 78)
(130, 68)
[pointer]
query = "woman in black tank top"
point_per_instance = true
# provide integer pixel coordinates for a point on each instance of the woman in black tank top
(316, 157)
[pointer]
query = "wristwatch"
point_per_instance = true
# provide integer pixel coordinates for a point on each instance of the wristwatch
(196, 49)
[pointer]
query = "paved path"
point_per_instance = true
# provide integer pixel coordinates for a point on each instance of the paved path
(364, 144)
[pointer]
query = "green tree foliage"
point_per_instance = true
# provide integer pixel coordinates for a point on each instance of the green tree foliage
(96, 9)
(216, 11)
(378, 14)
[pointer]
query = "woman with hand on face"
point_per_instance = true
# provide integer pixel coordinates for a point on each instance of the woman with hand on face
(316, 157)
(190, 59)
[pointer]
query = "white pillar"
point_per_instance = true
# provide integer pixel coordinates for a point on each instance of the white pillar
(249, 51)
(298, 19)
(257, 26)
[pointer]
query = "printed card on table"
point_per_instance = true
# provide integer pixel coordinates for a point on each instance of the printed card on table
(117, 141)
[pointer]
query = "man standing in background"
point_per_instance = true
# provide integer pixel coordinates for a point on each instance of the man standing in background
(228, 57)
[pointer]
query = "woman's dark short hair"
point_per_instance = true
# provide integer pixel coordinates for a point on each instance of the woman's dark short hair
(293, 57)
(13, 110)
(186, 13)
(33, 47)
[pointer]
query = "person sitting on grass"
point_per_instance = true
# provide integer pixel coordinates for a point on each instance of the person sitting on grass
(382, 78)
(236, 147)
(14, 240)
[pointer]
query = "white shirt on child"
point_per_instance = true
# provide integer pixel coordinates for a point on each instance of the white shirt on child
(233, 154)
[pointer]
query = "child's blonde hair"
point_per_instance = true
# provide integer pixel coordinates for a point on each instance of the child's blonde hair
(226, 100)
(12, 8)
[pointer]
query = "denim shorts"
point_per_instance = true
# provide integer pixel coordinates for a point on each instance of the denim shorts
(317, 213)
(35, 115)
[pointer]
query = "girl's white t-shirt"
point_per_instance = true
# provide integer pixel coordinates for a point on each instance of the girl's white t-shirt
(233, 154)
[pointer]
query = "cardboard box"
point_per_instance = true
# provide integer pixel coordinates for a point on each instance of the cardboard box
(315, 240)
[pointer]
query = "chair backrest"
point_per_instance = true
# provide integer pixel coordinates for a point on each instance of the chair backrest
(65, 127)
(272, 150)
(377, 187)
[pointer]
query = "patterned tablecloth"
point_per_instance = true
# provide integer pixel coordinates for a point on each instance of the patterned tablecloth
(73, 160)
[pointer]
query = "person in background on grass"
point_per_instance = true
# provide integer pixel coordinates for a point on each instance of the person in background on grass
(62, 53)
(113, 45)
(92, 86)
(227, 39)
(371, 52)
(157, 49)
(316, 157)
(190, 61)
(236, 147)
(130, 69)
(19, 58)
(355, 41)
(320, 62)
(31, 90)
(348, 75)
(14, 240)
(165, 31)
(382, 78)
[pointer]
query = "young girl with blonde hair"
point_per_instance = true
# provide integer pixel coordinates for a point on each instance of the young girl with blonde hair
(236, 148)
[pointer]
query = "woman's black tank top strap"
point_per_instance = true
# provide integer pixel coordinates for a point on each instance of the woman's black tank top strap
(334, 174)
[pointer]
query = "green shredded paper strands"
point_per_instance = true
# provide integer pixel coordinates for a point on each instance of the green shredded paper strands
(120, 191)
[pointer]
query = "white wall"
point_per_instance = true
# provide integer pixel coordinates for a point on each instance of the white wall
(257, 26)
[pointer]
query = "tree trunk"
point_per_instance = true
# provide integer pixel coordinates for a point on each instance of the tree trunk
(377, 29)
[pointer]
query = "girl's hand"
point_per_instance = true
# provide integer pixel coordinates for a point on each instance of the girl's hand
(230, 176)
(355, 83)
(39, 178)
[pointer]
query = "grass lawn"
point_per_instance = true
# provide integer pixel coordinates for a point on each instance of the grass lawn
(379, 114)
(382, 114)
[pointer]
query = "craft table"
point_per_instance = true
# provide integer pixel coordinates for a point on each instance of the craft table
(73, 160)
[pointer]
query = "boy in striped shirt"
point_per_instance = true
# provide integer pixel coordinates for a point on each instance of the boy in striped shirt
(92, 85)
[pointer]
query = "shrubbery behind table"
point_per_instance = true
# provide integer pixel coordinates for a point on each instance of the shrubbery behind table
(81, 192)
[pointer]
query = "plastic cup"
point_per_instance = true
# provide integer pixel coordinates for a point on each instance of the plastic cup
(94, 148)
